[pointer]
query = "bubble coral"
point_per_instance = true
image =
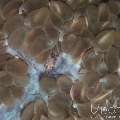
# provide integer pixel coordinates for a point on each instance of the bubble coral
(57, 40)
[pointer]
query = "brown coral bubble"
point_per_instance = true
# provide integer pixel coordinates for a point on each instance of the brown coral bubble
(48, 84)
(40, 109)
(89, 78)
(77, 4)
(9, 94)
(104, 40)
(56, 21)
(116, 35)
(94, 1)
(92, 12)
(19, 70)
(1, 20)
(61, 9)
(114, 7)
(11, 8)
(102, 97)
(3, 36)
(93, 62)
(87, 86)
(69, 118)
(107, 38)
(79, 24)
(78, 92)
(17, 38)
(13, 79)
(39, 17)
(90, 60)
(64, 84)
(16, 91)
(94, 90)
(116, 91)
(38, 43)
(112, 59)
(60, 12)
(49, 56)
(31, 5)
(75, 92)
(35, 42)
(74, 45)
(84, 110)
(42, 56)
(27, 112)
(103, 12)
(6, 96)
(3, 59)
(51, 32)
(57, 107)
(6, 79)
(44, 118)
(3, 3)
(16, 67)
(34, 110)
(12, 24)
(110, 81)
